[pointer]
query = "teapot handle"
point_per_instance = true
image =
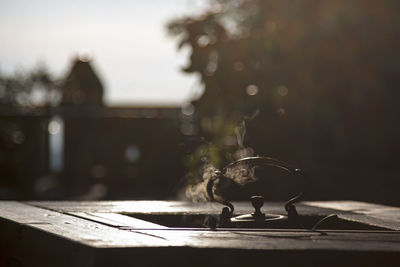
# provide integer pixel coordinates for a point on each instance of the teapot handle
(258, 161)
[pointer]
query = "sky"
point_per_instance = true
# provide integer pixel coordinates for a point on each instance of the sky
(137, 61)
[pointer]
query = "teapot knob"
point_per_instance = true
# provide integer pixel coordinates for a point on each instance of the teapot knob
(257, 202)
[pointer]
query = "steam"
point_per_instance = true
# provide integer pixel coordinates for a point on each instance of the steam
(241, 173)
(240, 132)
(198, 192)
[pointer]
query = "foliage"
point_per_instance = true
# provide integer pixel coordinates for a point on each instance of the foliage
(323, 74)
(34, 88)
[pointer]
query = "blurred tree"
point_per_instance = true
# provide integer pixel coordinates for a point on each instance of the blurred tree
(26, 99)
(34, 88)
(323, 74)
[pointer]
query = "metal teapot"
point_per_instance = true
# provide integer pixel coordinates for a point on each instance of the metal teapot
(257, 218)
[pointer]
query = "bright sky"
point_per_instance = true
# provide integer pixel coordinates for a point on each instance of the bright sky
(136, 59)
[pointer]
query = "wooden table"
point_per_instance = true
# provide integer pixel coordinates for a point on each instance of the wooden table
(109, 233)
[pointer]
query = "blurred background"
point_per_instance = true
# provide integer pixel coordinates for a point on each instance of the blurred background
(135, 100)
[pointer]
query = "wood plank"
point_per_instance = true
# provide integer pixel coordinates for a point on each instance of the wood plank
(116, 220)
(36, 235)
(368, 213)
(347, 205)
(284, 239)
(169, 207)
(74, 228)
(99, 235)
(141, 206)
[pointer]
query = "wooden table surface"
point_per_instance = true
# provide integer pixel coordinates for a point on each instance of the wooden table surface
(104, 233)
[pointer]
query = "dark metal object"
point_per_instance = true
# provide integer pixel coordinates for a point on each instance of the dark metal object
(257, 202)
(314, 228)
(217, 176)
(251, 162)
(257, 218)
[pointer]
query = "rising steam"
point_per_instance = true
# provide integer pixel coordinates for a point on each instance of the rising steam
(240, 174)
(198, 192)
